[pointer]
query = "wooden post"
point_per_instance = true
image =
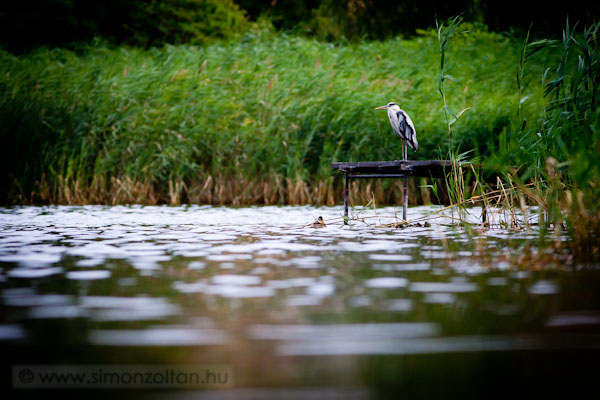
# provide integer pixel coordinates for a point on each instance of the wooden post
(484, 219)
(405, 200)
(398, 169)
(346, 200)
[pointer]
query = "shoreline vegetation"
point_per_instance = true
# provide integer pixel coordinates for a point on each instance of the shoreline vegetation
(259, 120)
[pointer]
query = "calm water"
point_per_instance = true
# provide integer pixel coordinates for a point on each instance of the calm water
(338, 312)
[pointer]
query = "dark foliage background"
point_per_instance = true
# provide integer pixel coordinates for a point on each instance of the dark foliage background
(26, 24)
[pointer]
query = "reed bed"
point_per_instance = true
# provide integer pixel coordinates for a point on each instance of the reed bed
(541, 163)
(255, 121)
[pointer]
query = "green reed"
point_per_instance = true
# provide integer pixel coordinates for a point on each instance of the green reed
(455, 184)
(258, 120)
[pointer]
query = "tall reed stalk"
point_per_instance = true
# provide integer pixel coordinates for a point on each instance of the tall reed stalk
(454, 180)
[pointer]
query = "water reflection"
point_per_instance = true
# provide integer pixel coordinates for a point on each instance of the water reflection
(252, 287)
(159, 336)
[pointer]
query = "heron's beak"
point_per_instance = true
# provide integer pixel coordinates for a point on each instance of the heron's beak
(381, 108)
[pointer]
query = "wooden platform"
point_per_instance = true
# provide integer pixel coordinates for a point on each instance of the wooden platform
(391, 169)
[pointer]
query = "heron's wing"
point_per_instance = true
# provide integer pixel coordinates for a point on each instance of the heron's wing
(409, 133)
(402, 125)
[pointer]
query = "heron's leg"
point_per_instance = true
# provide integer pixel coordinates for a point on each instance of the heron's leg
(405, 199)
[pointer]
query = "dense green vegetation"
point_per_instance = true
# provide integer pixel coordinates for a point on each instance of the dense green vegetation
(28, 24)
(266, 108)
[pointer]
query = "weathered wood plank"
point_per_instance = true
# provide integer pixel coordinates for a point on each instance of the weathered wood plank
(368, 164)
(421, 168)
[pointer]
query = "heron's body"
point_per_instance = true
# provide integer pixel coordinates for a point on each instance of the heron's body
(402, 125)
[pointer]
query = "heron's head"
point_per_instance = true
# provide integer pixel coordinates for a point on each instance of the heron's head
(388, 105)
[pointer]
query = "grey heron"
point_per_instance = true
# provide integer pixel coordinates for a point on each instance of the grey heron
(403, 126)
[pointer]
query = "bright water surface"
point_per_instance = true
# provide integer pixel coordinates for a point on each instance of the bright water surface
(351, 312)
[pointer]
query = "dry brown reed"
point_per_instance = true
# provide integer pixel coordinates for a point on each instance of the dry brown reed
(221, 190)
